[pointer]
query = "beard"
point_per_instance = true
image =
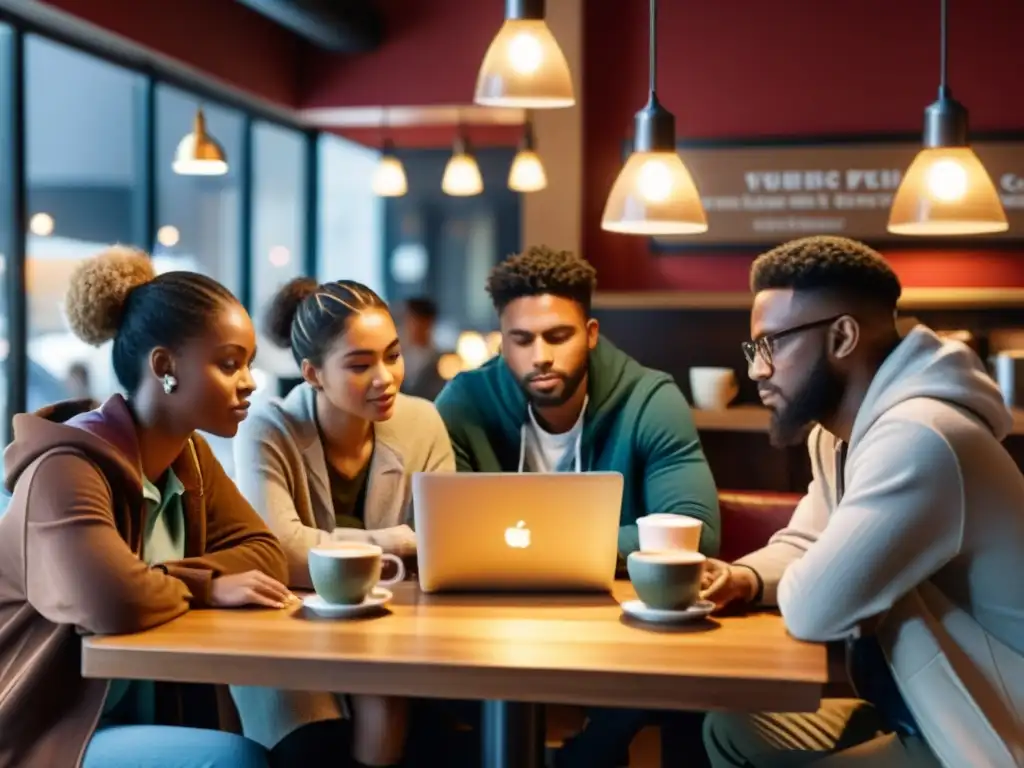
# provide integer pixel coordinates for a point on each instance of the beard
(561, 394)
(817, 398)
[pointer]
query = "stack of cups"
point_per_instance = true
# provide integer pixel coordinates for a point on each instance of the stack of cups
(666, 572)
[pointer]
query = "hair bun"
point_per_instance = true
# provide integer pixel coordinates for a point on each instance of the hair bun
(284, 306)
(98, 289)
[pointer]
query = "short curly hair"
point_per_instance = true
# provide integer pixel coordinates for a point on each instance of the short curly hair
(541, 270)
(828, 264)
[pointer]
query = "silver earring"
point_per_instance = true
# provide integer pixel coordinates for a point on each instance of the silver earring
(170, 384)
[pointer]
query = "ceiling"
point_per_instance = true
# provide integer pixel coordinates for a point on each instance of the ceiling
(339, 26)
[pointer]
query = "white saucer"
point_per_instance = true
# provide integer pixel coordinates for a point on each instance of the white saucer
(639, 610)
(377, 599)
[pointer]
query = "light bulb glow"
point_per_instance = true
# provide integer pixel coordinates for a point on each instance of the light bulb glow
(472, 349)
(449, 366)
(168, 236)
(41, 224)
(462, 176)
(655, 181)
(279, 256)
(524, 67)
(525, 53)
(200, 167)
(527, 172)
(389, 177)
(947, 181)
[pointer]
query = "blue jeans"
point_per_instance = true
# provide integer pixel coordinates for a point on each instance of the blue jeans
(164, 746)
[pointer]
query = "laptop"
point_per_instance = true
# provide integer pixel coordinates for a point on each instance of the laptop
(548, 532)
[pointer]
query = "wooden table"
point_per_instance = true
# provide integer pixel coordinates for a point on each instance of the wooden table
(499, 648)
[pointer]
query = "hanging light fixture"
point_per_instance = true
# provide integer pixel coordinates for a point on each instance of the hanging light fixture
(654, 194)
(524, 67)
(946, 191)
(527, 171)
(389, 175)
(199, 154)
(462, 174)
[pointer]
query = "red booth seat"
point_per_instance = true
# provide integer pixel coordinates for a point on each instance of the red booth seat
(749, 518)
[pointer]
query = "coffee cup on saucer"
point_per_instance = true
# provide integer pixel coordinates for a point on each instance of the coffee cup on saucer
(661, 531)
(348, 573)
(668, 580)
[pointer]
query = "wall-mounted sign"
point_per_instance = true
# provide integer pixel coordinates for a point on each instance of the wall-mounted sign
(757, 196)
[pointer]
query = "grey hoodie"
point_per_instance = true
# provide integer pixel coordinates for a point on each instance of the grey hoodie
(922, 527)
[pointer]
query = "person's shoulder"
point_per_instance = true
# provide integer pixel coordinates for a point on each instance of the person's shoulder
(412, 410)
(413, 417)
(467, 389)
(60, 476)
(272, 419)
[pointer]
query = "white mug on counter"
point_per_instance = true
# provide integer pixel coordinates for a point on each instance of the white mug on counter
(713, 388)
(663, 531)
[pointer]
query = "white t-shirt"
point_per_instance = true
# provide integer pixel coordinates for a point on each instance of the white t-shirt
(545, 452)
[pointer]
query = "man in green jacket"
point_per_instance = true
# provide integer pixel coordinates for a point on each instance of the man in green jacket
(561, 398)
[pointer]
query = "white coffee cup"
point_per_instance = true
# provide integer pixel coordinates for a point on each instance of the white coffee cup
(663, 532)
(713, 388)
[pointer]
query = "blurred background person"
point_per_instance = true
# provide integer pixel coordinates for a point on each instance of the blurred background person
(422, 379)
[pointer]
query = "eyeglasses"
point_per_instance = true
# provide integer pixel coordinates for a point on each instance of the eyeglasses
(763, 346)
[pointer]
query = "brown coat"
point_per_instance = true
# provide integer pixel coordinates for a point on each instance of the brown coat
(70, 564)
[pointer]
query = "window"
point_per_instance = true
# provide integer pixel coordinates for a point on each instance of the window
(279, 210)
(198, 217)
(83, 189)
(278, 238)
(351, 216)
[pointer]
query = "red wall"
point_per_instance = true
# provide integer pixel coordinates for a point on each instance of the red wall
(734, 69)
(432, 52)
(220, 37)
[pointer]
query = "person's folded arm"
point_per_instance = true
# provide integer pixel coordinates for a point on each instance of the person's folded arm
(237, 539)
(790, 543)
(676, 476)
(78, 569)
(900, 520)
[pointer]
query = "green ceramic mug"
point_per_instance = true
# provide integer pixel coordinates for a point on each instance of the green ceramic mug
(667, 580)
(346, 572)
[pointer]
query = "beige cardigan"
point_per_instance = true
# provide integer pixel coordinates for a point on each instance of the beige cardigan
(281, 469)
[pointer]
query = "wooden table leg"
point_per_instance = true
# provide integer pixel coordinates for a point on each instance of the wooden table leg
(512, 734)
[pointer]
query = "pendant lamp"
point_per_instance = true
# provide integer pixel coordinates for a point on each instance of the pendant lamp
(198, 153)
(524, 67)
(527, 171)
(389, 175)
(654, 194)
(946, 191)
(462, 174)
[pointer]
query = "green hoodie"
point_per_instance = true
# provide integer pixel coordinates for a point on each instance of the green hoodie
(637, 423)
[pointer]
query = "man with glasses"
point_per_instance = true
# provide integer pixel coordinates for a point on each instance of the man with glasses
(909, 543)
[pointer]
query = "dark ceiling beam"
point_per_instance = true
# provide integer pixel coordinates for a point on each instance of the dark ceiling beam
(341, 26)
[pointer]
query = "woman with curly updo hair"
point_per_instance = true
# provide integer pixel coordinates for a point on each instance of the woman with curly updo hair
(121, 519)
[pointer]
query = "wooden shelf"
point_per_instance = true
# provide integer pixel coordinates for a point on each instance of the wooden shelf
(740, 418)
(912, 298)
(754, 418)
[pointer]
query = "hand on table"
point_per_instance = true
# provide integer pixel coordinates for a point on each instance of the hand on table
(724, 584)
(249, 588)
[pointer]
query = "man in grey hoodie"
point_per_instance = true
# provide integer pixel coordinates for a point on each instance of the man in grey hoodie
(910, 541)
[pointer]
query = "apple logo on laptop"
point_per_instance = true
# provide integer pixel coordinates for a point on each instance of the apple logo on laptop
(518, 537)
